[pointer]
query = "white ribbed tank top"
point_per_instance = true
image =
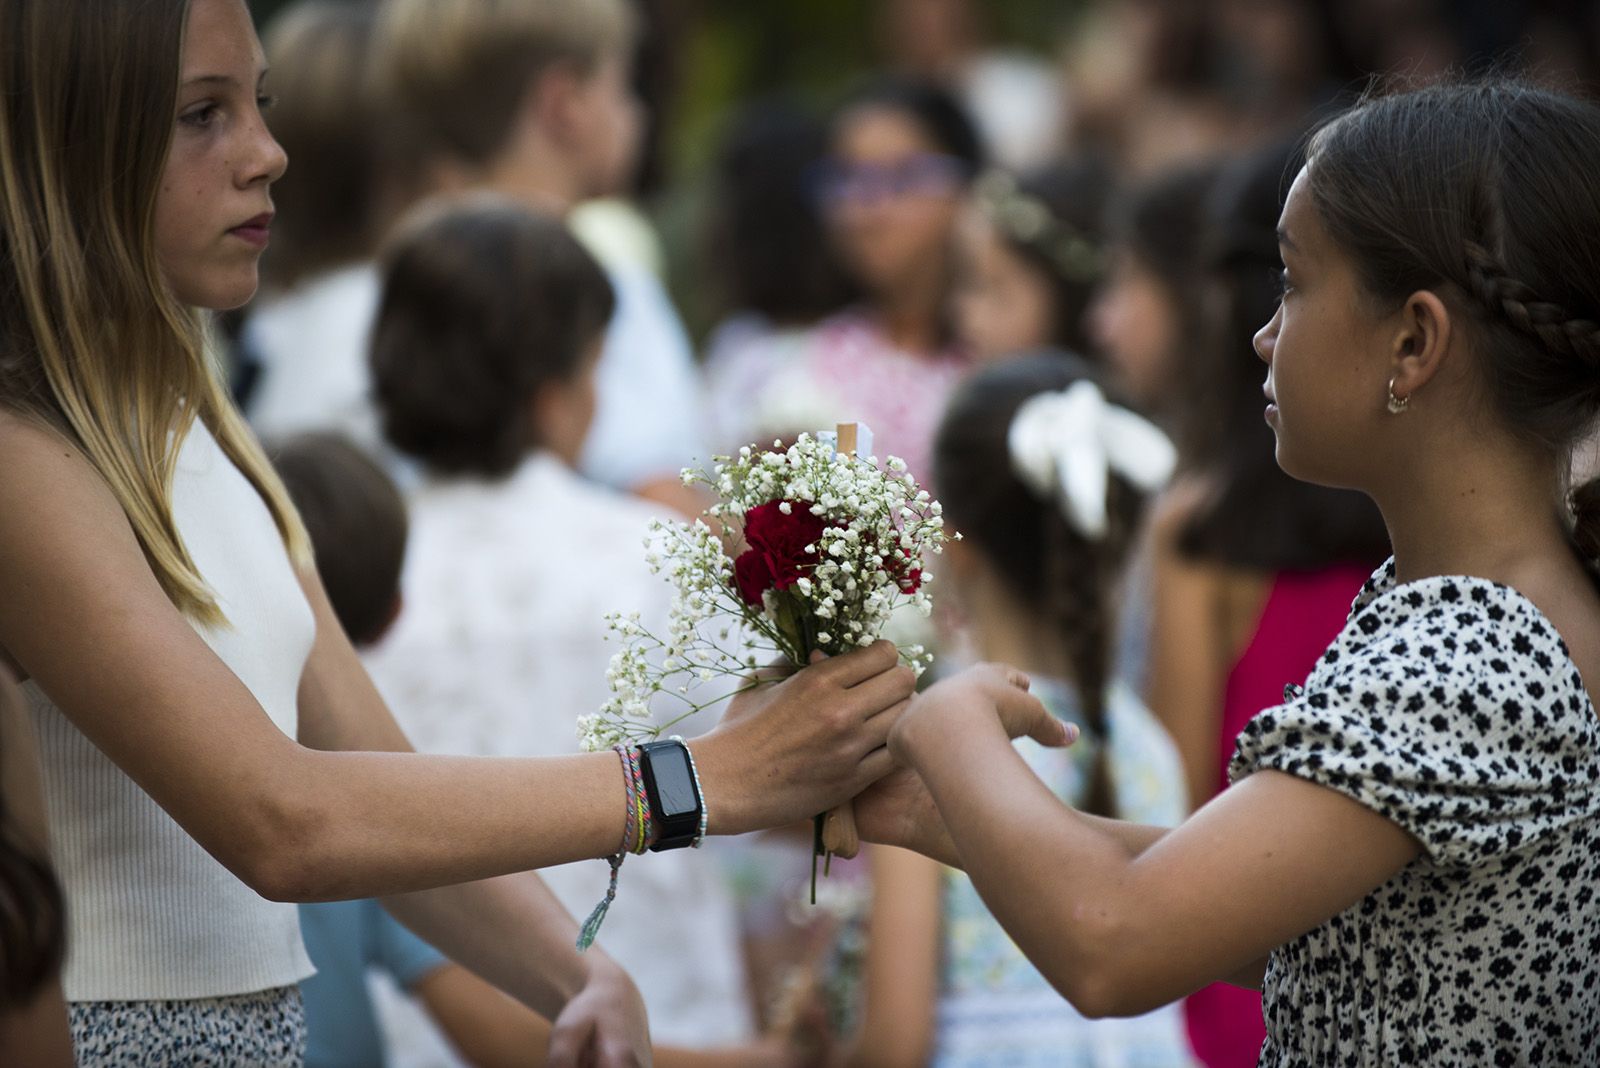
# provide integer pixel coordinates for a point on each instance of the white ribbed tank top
(150, 914)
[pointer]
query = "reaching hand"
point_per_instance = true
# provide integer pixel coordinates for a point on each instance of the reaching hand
(789, 750)
(987, 689)
(897, 809)
(604, 1025)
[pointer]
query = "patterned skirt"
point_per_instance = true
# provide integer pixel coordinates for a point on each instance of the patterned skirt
(265, 1029)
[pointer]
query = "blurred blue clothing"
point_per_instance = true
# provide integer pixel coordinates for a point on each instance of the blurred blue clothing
(344, 939)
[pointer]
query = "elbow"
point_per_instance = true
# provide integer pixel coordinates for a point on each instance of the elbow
(1097, 993)
(275, 851)
(1106, 978)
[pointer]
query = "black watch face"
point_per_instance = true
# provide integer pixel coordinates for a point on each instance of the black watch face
(674, 782)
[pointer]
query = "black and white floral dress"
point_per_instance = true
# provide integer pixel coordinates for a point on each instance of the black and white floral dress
(1451, 706)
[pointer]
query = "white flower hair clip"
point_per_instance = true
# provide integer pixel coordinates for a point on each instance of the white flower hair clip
(1067, 444)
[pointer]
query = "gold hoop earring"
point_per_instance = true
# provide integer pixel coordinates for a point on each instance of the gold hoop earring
(1396, 404)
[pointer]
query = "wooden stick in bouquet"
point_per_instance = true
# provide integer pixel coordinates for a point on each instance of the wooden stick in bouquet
(836, 828)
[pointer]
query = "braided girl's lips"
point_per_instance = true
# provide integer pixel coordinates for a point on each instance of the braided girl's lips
(256, 231)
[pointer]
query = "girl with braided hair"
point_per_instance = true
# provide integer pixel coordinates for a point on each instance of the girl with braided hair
(1405, 861)
(1047, 482)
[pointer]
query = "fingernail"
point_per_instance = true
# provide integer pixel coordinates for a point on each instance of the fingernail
(1071, 731)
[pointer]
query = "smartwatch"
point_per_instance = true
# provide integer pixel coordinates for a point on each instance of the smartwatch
(675, 803)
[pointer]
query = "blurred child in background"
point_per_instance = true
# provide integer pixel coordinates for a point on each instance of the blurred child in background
(774, 272)
(901, 157)
(484, 359)
(1146, 318)
(307, 329)
(1029, 256)
(1037, 574)
(357, 522)
(533, 102)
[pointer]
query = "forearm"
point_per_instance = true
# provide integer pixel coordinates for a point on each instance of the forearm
(379, 824)
(1055, 879)
(932, 838)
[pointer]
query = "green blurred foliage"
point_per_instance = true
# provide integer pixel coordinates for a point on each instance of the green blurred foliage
(723, 52)
(734, 50)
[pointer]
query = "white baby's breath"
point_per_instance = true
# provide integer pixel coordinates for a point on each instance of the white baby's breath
(868, 561)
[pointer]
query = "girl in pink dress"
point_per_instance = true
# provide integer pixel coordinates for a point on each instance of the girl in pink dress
(901, 156)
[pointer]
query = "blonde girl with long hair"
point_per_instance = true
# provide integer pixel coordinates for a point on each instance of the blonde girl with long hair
(199, 710)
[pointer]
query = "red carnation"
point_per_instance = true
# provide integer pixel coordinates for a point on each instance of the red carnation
(777, 556)
(752, 575)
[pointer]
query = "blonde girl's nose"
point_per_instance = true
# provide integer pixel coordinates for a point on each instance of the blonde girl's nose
(266, 159)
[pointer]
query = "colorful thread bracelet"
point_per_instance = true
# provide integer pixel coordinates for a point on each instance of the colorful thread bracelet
(645, 829)
(637, 833)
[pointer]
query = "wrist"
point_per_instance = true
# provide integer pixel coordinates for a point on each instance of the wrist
(721, 786)
(935, 721)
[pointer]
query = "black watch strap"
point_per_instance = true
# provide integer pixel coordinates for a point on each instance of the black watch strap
(675, 802)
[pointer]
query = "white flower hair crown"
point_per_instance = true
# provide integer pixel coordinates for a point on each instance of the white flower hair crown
(1029, 222)
(1067, 444)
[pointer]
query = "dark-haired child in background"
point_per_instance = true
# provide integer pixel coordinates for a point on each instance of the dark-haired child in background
(358, 526)
(1029, 256)
(483, 361)
(357, 522)
(306, 333)
(774, 274)
(1146, 318)
(1037, 575)
(901, 156)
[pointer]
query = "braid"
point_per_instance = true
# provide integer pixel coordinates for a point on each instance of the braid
(1081, 578)
(1075, 601)
(1550, 323)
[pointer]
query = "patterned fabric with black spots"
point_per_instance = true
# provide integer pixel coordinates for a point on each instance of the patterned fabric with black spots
(1449, 705)
(266, 1029)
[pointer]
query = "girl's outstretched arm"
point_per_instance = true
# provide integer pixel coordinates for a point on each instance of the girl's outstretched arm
(1121, 920)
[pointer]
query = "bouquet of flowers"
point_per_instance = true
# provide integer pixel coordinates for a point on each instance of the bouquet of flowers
(832, 544)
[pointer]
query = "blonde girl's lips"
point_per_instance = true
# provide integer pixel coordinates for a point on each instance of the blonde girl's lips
(257, 231)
